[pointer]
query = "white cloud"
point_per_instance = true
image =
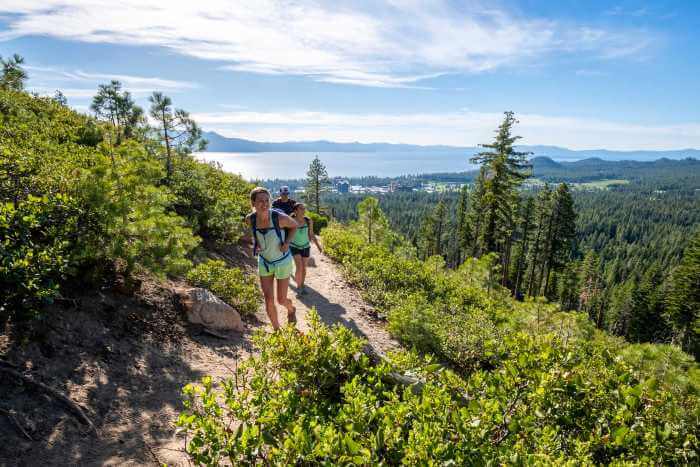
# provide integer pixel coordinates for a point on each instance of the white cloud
(132, 83)
(465, 128)
(386, 44)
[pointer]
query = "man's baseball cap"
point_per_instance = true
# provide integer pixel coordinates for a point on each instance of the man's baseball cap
(284, 190)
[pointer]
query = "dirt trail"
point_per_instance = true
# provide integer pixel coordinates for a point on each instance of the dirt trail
(335, 301)
(125, 360)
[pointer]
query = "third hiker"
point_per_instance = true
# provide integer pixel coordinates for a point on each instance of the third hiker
(284, 203)
(301, 245)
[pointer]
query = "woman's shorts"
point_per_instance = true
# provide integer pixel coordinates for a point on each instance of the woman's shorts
(304, 252)
(282, 270)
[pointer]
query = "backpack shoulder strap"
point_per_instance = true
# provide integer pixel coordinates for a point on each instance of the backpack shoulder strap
(253, 226)
(275, 214)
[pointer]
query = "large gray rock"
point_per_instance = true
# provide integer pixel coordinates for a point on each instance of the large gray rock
(205, 308)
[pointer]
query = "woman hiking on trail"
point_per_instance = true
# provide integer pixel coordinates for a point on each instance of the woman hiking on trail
(272, 231)
(301, 246)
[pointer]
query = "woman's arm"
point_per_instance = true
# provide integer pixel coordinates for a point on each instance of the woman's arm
(290, 225)
(312, 235)
(252, 238)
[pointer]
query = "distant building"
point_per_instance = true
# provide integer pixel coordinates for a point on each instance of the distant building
(343, 186)
(396, 186)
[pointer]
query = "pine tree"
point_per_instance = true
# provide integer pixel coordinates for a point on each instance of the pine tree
(474, 216)
(503, 170)
(568, 286)
(683, 301)
(13, 75)
(463, 225)
(117, 107)
(542, 213)
(432, 232)
(590, 298)
(561, 233)
(526, 226)
(178, 133)
(317, 182)
(372, 220)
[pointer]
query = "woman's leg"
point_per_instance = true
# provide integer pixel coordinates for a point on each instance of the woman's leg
(282, 287)
(298, 275)
(268, 287)
(304, 265)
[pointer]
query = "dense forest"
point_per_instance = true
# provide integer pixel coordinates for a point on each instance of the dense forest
(489, 380)
(89, 200)
(629, 238)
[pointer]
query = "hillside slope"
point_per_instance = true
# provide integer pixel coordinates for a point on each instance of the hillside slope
(125, 360)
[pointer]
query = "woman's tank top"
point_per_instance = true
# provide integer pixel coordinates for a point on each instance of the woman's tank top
(269, 243)
(301, 238)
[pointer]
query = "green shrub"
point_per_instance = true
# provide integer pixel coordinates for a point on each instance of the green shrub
(229, 284)
(214, 202)
(320, 222)
(73, 206)
(35, 252)
(315, 399)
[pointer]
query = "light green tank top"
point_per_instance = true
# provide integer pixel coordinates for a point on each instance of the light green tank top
(301, 238)
(269, 243)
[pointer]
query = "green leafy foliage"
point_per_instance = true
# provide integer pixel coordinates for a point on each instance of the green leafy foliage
(320, 222)
(35, 251)
(214, 202)
(316, 399)
(229, 284)
(75, 206)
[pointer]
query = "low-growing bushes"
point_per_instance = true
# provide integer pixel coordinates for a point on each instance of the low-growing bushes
(428, 308)
(315, 399)
(320, 222)
(229, 284)
(73, 205)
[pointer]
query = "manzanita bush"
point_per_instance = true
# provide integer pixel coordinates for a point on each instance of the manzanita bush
(316, 399)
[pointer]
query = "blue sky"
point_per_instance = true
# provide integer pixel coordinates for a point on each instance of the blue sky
(581, 74)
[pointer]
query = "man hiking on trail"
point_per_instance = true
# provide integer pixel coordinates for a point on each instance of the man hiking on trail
(272, 231)
(284, 203)
(301, 245)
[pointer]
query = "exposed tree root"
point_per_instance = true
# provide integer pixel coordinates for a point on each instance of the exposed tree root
(11, 416)
(77, 411)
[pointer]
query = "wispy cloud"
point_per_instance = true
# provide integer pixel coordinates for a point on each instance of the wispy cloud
(130, 81)
(588, 72)
(395, 43)
(465, 128)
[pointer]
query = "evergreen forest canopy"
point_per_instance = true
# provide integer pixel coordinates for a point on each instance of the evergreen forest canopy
(489, 379)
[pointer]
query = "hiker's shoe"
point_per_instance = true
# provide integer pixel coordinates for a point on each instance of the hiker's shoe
(303, 291)
(292, 317)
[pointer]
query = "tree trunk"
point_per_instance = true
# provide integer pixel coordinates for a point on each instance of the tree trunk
(168, 160)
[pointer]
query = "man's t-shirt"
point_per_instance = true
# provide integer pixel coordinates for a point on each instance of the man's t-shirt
(285, 206)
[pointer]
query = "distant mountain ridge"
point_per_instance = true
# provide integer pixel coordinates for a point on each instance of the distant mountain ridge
(218, 143)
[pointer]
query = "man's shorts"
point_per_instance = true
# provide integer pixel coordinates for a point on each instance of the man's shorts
(304, 252)
(281, 270)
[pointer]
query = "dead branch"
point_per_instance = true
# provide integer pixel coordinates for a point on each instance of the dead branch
(15, 422)
(77, 411)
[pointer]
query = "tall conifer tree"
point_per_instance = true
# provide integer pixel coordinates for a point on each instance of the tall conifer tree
(317, 182)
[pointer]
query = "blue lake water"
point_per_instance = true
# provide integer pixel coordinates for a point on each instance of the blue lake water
(286, 165)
